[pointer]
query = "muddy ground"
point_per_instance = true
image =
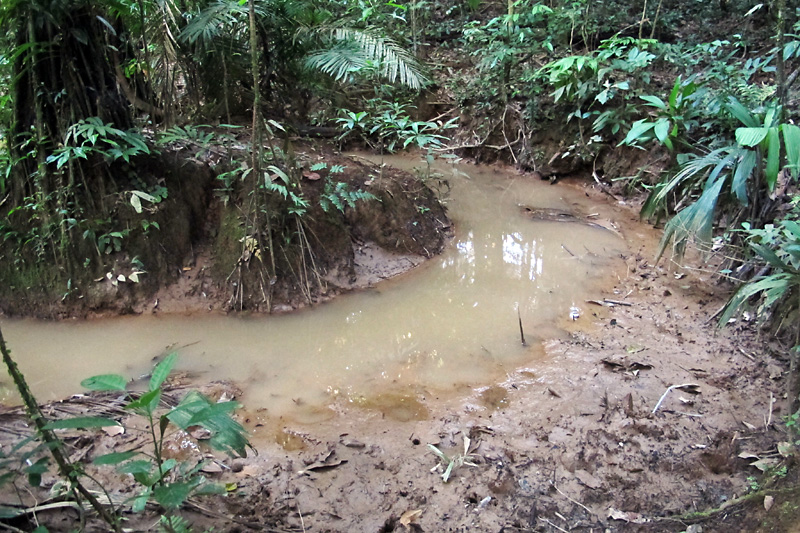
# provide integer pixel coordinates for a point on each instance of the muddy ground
(596, 439)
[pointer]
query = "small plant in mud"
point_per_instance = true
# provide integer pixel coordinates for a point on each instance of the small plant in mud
(455, 461)
(167, 482)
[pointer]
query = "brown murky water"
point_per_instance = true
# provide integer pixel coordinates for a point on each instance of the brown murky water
(449, 324)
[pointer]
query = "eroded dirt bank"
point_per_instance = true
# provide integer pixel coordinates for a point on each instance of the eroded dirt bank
(355, 223)
(570, 445)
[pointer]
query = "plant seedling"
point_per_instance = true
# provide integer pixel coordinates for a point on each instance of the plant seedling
(468, 458)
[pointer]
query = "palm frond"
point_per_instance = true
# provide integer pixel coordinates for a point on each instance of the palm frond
(354, 50)
(212, 21)
(695, 221)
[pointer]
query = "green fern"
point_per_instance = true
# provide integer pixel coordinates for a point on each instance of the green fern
(339, 195)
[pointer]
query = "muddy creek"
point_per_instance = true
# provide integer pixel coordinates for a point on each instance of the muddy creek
(450, 324)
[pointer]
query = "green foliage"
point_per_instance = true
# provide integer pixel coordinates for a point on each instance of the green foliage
(673, 117)
(278, 181)
(366, 52)
(778, 247)
(602, 83)
(338, 195)
(387, 125)
(92, 136)
(741, 166)
(165, 481)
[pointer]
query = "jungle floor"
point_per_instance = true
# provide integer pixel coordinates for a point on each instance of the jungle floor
(663, 423)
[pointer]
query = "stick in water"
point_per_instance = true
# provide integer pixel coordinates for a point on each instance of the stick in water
(521, 333)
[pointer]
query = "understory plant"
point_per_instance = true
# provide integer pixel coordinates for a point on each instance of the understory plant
(778, 288)
(742, 170)
(169, 483)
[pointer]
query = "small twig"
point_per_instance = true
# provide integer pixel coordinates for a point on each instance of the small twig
(693, 415)
(570, 499)
(747, 354)
(521, 332)
(552, 524)
(567, 249)
(663, 396)
(302, 522)
(715, 315)
(769, 418)
(616, 302)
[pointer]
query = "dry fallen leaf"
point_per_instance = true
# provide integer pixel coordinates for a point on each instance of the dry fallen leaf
(768, 501)
(410, 517)
(616, 514)
(748, 455)
(588, 479)
(200, 433)
(212, 468)
(765, 464)
(248, 471)
(313, 176)
(113, 431)
(786, 449)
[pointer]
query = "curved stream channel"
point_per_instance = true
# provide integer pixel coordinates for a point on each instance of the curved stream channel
(449, 324)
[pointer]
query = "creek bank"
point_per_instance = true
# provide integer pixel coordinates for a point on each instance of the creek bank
(198, 254)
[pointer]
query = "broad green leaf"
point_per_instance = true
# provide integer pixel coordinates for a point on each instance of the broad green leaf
(673, 95)
(146, 403)
(695, 220)
(209, 413)
(637, 131)
(82, 422)
(773, 157)
(769, 256)
(751, 137)
(5, 478)
(212, 488)
(776, 285)
(140, 501)
(173, 495)
(661, 130)
(162, 370)
(741, 113)
(35, 471)
(740, 176)
(793, 227)
(136, 203)
(105, 382)
(114, 458)
(791, 141)
(141, 466)
(227, 434)
(654, 101)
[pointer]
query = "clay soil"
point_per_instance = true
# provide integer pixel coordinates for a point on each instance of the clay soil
(596, 439)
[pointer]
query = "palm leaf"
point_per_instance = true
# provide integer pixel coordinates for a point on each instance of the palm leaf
(692, 169)
(353, 50)
(694, 221)
(773, 287)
